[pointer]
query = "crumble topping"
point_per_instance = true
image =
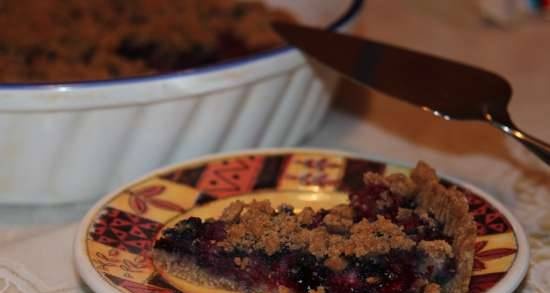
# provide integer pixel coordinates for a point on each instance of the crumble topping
(378, 237)
(256, 226)
(398, 184)
(61, 40)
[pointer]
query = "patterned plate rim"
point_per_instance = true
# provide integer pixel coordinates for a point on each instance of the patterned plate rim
(97, 283)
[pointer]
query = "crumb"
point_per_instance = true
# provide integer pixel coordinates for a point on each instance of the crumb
(398, 184)
(343, 211)
(232, 212)
(337, 224)
(373, 280)
(432, 288)
(283, 289)
(263, 206)
(403, 214)
(318, 290)
(401, 185)
(338, 245)
(305, 217)
(242, 263)
(423, 174)
(384, 201)
(336, 263)
(285, 208)
(374, 179)
(378, 237)
(318, 242)
(271, 243)
(436, 249)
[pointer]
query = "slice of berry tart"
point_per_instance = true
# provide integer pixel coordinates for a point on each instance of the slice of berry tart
(397, 234)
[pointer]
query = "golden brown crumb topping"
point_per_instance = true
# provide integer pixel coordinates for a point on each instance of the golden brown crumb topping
(398, 183)
(378, 237)
(62, 40)
(256, 226)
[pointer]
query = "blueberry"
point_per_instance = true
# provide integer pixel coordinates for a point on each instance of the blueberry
(133, 48)
(318, 218)
(447, 272)
(347, 281)
(213, 231)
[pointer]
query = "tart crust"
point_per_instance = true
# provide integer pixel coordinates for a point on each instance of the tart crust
(450, 207)
(186, 269)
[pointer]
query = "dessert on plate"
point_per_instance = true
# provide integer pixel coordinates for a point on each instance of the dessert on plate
(67, 40)
(397, 234)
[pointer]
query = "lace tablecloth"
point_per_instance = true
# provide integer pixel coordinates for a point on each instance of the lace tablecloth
(38, 257)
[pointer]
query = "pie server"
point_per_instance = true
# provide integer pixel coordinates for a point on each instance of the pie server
(448, 89)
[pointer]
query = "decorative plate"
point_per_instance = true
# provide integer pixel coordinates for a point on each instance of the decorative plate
(114, 242)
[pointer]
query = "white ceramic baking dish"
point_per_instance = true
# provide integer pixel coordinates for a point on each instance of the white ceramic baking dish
(69, 142)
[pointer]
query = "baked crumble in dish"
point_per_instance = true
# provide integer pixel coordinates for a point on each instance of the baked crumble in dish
(65, 40)
(397, 234)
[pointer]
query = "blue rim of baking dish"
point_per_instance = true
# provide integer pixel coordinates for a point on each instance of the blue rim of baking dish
(350, 13)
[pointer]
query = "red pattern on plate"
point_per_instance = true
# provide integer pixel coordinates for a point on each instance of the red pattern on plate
(481, 256)
(230, 177)
(113, 260)
(488, 219)
(139, 200)
(125, 231)
(482, 283)
(137, 287)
